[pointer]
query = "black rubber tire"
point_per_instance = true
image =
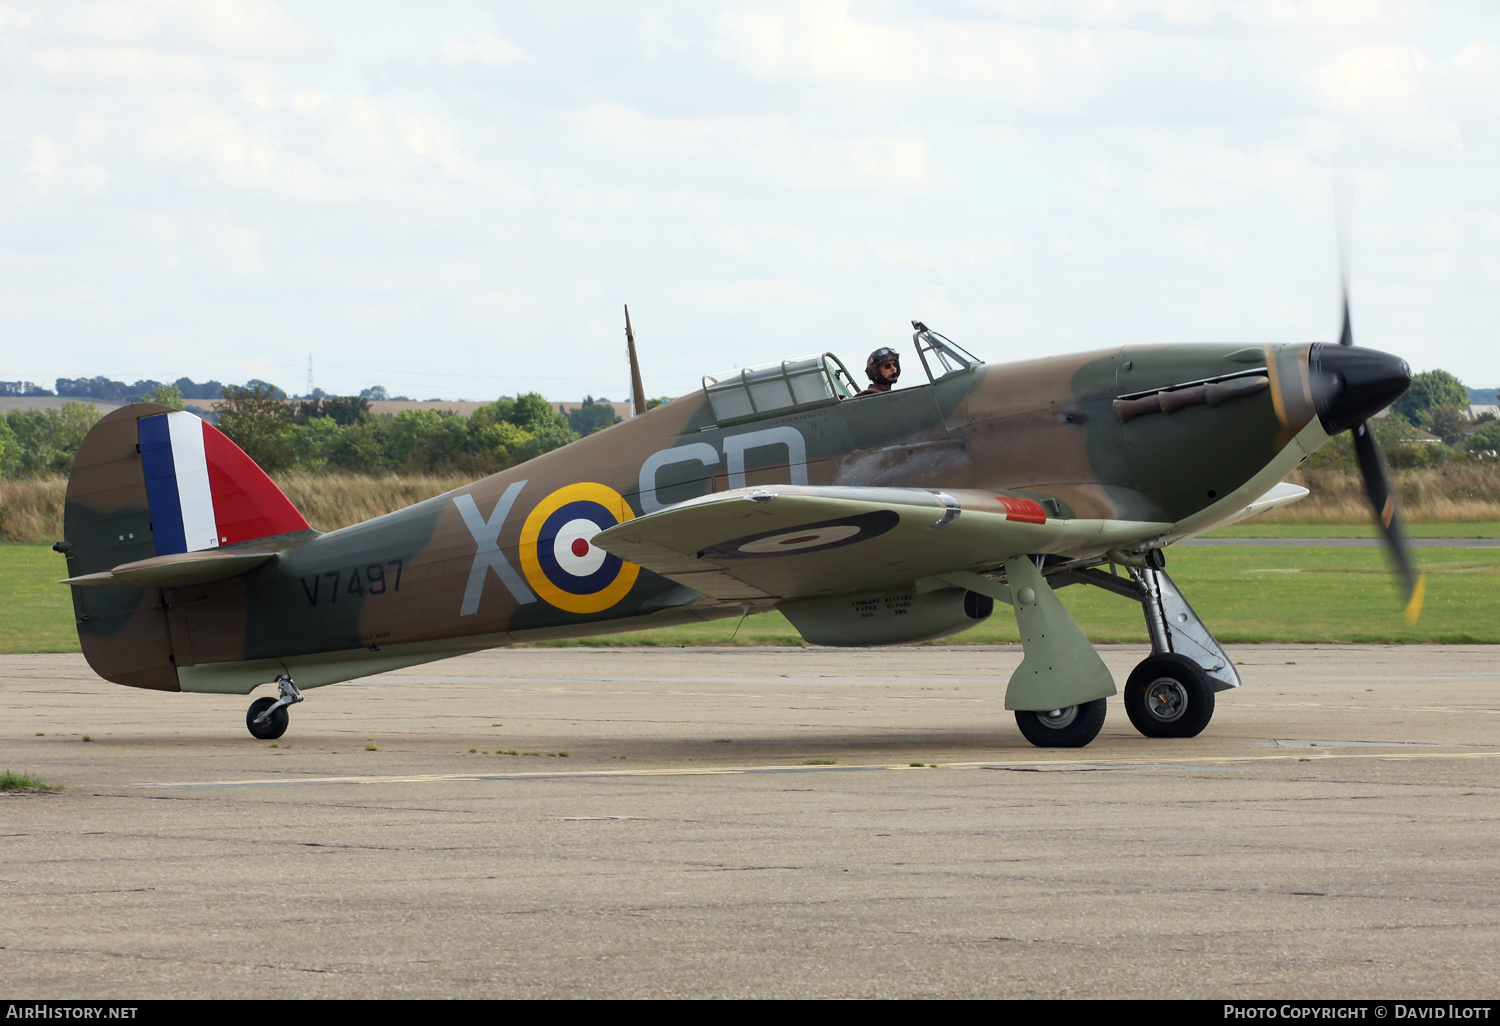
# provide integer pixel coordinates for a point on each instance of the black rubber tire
(1083, 726)
(1169, 695)
(267, 731)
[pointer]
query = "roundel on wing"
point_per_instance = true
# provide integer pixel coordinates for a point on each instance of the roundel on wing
(826, 534)
(558, 554)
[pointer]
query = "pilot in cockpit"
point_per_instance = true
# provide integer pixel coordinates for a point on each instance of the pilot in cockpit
(882, 368)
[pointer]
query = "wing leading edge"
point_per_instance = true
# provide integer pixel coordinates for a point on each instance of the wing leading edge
(784, 541)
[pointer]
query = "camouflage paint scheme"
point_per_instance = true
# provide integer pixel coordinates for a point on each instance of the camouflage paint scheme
(394, 591)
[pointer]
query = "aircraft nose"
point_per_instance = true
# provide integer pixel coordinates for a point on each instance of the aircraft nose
(1349, 384)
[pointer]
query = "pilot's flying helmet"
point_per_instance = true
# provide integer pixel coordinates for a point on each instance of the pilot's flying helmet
(884, 354)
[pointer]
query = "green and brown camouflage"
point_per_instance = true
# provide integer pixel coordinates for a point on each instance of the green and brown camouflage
(1094, 458)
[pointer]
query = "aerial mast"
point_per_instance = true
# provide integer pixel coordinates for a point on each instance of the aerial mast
(637, 390)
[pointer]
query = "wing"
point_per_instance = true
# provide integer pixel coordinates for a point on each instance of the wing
(782, 541)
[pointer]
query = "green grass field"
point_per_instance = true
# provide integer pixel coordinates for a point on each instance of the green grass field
(1247, 594)
(36, 613)
(1479, 529)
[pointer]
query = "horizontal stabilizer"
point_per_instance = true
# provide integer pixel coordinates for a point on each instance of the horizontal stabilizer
(178, 570)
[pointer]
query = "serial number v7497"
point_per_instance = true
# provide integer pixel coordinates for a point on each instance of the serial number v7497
(361, 581)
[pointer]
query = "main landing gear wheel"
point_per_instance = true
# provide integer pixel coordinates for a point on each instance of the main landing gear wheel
(274, 726)
(1169, 695)
(1072, 727)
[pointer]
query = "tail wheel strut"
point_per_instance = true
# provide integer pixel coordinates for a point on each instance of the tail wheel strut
(267, 718)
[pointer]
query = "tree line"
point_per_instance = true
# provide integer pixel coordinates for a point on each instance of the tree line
(110, 391)
(326, 433)
(1437, 403)
(341, 433)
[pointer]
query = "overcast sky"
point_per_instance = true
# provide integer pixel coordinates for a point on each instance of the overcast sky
(453, 199)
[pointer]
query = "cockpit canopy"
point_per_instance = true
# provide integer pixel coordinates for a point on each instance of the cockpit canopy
(808, 382)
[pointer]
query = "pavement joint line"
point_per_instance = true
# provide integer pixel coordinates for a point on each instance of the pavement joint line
(1289, 755)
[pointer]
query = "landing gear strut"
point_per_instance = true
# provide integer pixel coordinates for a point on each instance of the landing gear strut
(1171, 692)
(267, 717)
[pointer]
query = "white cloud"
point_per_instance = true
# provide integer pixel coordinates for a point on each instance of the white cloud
(741, 295)
(44, 165)
(772, 150)
(212, 240)
(485, 49)
(117, 67)
(1376, 81)
(1017, 65)
(1400, 92)
(1281, 14)
(1207, 170)
(49, 170)
(260, 137)
(1037, 176)
(244, 28)
(1469, 81)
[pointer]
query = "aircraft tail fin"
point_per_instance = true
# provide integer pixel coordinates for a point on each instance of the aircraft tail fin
(149, 482)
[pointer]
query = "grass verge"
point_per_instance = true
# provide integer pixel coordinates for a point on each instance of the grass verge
(21, 782)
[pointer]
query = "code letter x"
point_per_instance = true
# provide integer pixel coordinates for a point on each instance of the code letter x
(488, 555)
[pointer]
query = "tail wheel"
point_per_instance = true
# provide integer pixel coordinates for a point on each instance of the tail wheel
(274, 726)
(1070, 727)
(1169, 695)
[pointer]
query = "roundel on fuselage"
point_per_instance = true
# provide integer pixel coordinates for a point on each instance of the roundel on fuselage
(558, 555)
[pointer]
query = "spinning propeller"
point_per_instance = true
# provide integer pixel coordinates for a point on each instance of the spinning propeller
(1350, 384)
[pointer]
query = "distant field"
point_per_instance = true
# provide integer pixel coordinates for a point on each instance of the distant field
(1459, 500)
(1244, 594)
(1256, 529)
(36, 613)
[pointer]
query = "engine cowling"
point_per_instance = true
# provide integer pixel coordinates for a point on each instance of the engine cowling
(893, 617)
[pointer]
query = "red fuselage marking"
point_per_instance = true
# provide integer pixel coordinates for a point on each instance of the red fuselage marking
(1026, 511)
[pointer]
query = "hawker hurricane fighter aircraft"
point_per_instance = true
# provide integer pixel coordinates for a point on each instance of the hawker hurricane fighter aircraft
(888, 518)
